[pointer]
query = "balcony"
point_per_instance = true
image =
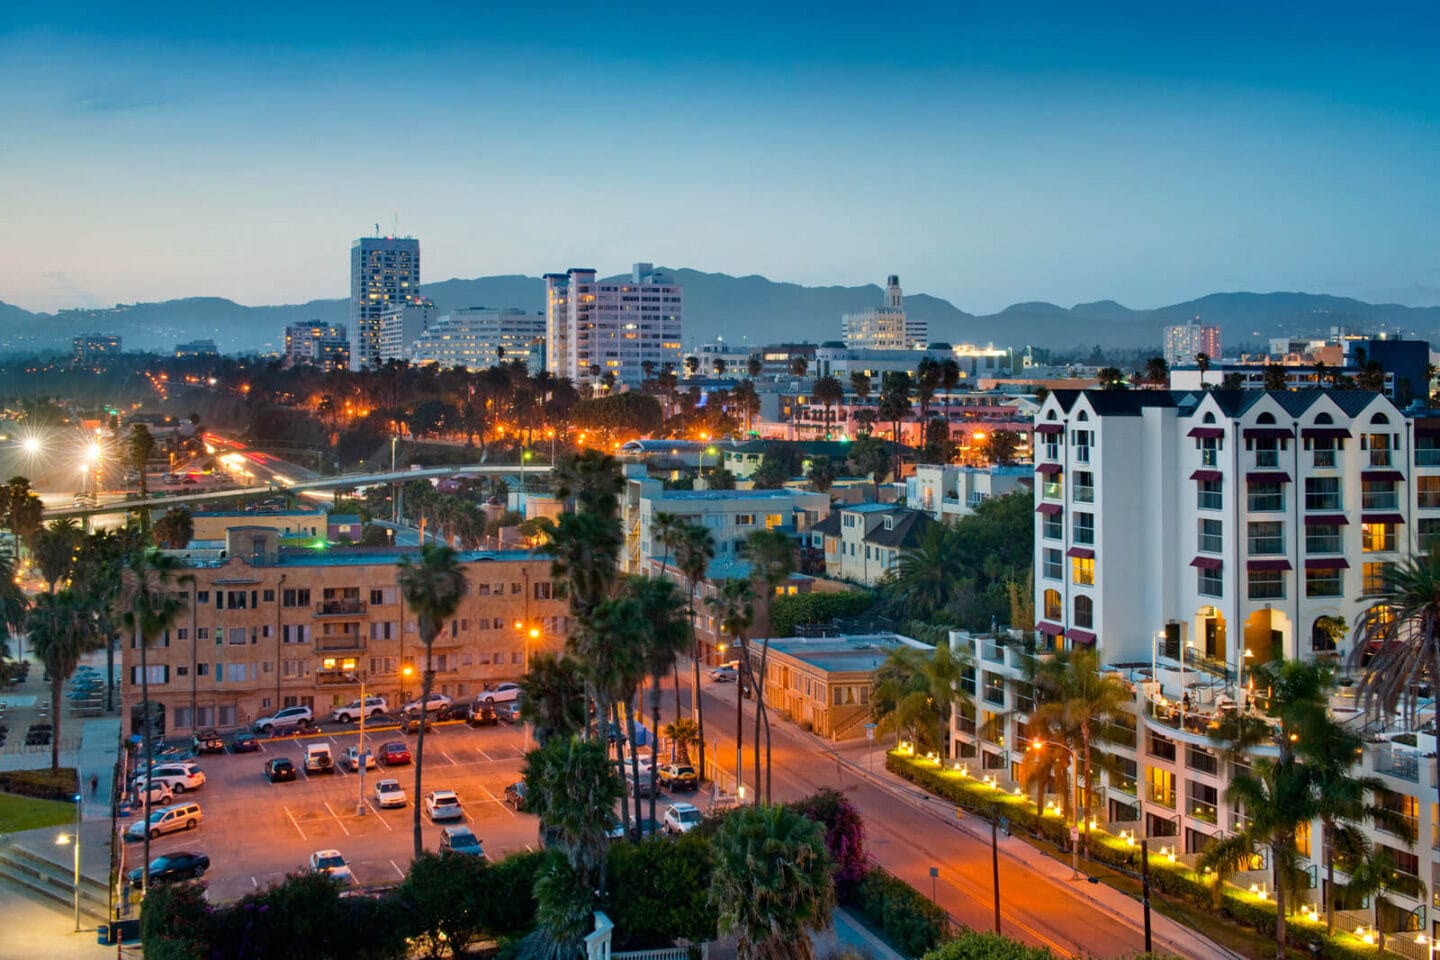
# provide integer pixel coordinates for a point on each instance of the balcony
(1324, 459)
(340, 642)
(1165, 796)
(340, 608)
(336, 678)
(995, 695)
(1379, 458)
(1203, 811)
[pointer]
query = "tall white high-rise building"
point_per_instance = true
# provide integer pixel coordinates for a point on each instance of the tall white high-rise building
(480, 337)
(1182, 344)
(594, 327)
(403, 323)
(887, 327)
(384, 274)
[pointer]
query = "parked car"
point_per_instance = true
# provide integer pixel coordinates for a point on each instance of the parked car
(649, 784)
(413, 722)
(279, 770)
(515, 795)
(159, 794)
(726, 672)
(443, 805)
(394, 753)
(509, 712)
(318, 759)
(374, 707)
(171, 478)
(181, 865)
(456, 710)
(351, 759)
(682, 818)
(180, 816)
(389, 793)
(677, 776)
(331, 862)
(179, 777)
(208, 740)
(435, 702)
(483, 715)
(285, 719)
(244, 742)
(461, 840)
(502, 693)
(644, 829)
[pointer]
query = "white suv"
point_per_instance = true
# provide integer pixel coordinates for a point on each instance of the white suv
(502, 693)
(374, 707)
(178, 777)
(284, 719)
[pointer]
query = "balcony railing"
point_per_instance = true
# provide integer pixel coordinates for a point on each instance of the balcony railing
(1161, 795)
(1324, 459)
(336, 678)
(1427, 457)
(346, 641)
(1401, 766)
(1203, 811)
(965, 725)
(340, 608)
(992, 651)
(1379, 458)
(995, 695)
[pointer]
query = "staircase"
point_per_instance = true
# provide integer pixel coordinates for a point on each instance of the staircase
(53, 880)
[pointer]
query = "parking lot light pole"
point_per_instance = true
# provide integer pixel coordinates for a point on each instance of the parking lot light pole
(360, 758)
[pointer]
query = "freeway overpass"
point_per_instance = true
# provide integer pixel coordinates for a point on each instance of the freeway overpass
(264, 490)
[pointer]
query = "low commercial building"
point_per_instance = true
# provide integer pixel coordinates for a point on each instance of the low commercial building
(269, 628)
(297, 522)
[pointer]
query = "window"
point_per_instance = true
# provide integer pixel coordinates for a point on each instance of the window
(236, 672)
(1053, 609)
(1212, 539)
(269, 596)
(1054, 564)
(236, 636)
(1323, 538)
(1378, 495)
(1083, 487)
(1376, 576)
(1082, 440)
(745, 520)
(295, 598)
(1427, 530)
(1267, 584)
(1054, 487)
(1322, 493)
(1084, 612)
(383, 595)
(1208, 495)
(1209, 451)
(1053, 527)
(1324, 454)
(1082, 571)
(542, 590)
(1377, 537)
(1198, 758)
(1267, 453)
(1203, 799)
(1084, 528)
(1266, 537)
(202, 596)
(298, 633)
(1428, 492)
(1162, 786)
(1209, 583)
(1324, 582)
(384, 630)
(1266, 497)
(1379, 444)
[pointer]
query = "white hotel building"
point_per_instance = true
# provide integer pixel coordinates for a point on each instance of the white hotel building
(615, 326)
(1188, 537)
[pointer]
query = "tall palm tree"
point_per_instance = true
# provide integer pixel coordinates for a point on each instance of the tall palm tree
(734, 607)
(667, 527)
(1397, 638)
(98, 569)
(147, 605)
(693, 553)
(61, 632)
(829, 391)
(925, 574)
(553, 699)
(54, 551)
(609, 644)
(13, 605)
(432, 590)
(1081, 701)
(772, 559)
(659, 605)
(915, 693)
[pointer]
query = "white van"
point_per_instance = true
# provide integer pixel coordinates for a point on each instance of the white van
(181, 816)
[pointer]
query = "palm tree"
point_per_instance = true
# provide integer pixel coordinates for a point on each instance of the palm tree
(734, 607)
(799, 366)
(772, 881)
(1397, 638)
(553, 697)
(175, 529)
(13, 604)
(1040, 768)
(693, 553)
(664, 637)
(1373, 873)
(141, 449)
(772, 559)
(54, 551)
(829, 392)
(682, 732)
(1081, 701)
(822, 474)
(97, 578)
(949, 379)
(915, 692)
(925, 575)
(894, 406)
(61, 632)
(609, 646)
(432, 590)
(147, 605)
(666, 528)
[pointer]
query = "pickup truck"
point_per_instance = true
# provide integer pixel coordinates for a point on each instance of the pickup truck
(318, 759)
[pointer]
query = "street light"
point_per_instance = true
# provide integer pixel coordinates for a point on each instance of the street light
(405, 671)
(360, 758)
(74, 840)
(1039, 745)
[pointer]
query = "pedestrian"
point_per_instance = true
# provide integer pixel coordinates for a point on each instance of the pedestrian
(94, 785)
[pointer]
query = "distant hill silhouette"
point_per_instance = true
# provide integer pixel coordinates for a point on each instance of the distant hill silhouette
(751, 310)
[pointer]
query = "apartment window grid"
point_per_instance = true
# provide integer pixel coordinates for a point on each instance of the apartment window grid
(1375, 577)
(1380, 446)
(1212, 538)
(1267, 453)
(1427, 493)
(1084, 528)
(1322, 453)
(1083, 487)
(1054, 564)
(1054, 610)
(1324, 582)
(1082, 571)
(1323, 493)
(1210, 582)
(1209, 495)
(1377, 537)
(1053, 526)
(1379, 495)
(1266, 584)
(1427, 531)
(1266, 537)
(1209, 448)
(1324, 538)
(1266, 497)
(1084, 612)
(1082, 440)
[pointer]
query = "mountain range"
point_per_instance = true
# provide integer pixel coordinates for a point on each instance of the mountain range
(748, 310)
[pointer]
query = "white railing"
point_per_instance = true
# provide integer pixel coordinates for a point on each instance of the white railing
(664, 953)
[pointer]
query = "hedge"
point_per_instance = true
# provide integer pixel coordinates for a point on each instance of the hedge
(1173, 879)
(909, 921)
(62, 784)
(788, 611)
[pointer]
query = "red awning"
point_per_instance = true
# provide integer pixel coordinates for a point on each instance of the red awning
(1326, 563)
(1207, 563)
(1269, 433)
(1325, 520)
(1048, 468)
(1381, 518)
(1207, 433)
(1325, 433)
(1049, 629)
(1208, 476)
(1267, 565)
(1081, 636)
(1394, 476)
(1050, 509)
(1082, 553)
(1267, 476)
(1049, 428)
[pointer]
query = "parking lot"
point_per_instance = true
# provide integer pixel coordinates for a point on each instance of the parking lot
(255, 831)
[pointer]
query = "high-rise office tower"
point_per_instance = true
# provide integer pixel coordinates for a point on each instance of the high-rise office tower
(1182, 344)
(384, 273)
(887, 327)
(594, 327)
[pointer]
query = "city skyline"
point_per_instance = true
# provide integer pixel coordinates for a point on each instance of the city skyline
(1141, 155)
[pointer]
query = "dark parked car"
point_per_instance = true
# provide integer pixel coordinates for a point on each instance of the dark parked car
(244, 742)
(515, 795)
(208, 740)
(411, 724)
(393, 754)
(184, 865)
(455, 711)
(279, 769)
(644, 830)
(483, 715)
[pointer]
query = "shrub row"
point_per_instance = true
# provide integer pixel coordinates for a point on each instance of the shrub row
(909, 921)
(60, 784)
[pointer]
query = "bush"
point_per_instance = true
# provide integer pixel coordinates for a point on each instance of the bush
(658, 892)
(977, 797)
(60, 784)
(844, 834)
(910, 922)
(972, 945)
(788, 611)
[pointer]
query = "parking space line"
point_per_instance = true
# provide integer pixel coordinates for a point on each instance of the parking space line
(375, 811)
(398, 870)
(450, 758)
(484, 757)
(337, 817)
(295, 822)
(254, 883)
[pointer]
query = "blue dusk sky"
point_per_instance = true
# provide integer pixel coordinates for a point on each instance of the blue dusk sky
(988, 153)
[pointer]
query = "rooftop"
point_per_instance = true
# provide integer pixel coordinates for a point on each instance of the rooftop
(378, 556)
(859, 652)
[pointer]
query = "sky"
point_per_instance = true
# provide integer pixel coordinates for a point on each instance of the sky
(988, 153)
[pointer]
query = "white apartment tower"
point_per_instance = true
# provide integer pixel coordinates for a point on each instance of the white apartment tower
(384, 274)
(1183, 343)
(886, 327)
(594, 327)
(478, 338)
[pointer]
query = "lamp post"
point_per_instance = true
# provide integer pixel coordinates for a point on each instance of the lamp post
(74, 841)
(995, 860)
(1038, 745)
(361, 759)
(405, 671)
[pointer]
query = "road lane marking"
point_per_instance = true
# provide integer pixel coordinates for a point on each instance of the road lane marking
(484, 757)
(337, 817)
(398, 870)
(254, 883)
(295, 822)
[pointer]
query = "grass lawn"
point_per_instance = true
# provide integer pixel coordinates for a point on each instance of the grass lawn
(25, 813)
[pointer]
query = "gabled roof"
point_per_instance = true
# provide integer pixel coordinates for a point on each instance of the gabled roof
(829, 527)
(1236, 403)
(906, 531)
(1116, 403)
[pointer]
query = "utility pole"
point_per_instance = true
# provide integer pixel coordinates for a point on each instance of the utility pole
(995, 863)
(1145, 888)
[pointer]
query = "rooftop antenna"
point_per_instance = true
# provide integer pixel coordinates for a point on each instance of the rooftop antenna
(377, 231)
(396, 223)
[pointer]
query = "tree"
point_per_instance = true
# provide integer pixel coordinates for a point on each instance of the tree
(822, 474)
(693, 553)
(175, 529)
(772, 882)
(949, 380)
(14, 604)
(682, 732)
(1157, 372)
(799, 366)
(444, 896)
(1202, 361)
(1000, 446)
(665, 636)
(925, 574)
(1111, 378)
(754, 366)
(432, 590)
(54, 551)
(927, 381)
(772, 559)
(829, 392)
(894, 406)
(915, 691)
(734, 608)
(1232, 381)
(147, 605)
(865, 422)
(844, 834)
(1397, 638)
(1371, 377)
(98, 575)
(553, 697)
(868, 457)
(141, 449)
(938, 446)
(61, 632)
(24, 512)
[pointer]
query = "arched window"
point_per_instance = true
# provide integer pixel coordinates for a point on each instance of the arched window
(1379, 418)
(1324, 418)
(1084, 612)
(1209, 417)
(1266, 417)
(1053, 609)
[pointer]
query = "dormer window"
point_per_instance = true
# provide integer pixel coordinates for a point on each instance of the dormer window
(889, 523)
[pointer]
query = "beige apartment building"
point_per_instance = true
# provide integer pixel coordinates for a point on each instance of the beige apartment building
(268, 628)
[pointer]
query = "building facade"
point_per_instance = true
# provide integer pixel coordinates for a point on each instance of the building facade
(1184, 343)
(594, 327)
(322, 345)
(479, 337)
(384, 273)
(402, 324)
(91, 347)
(886, 327)
(196, 348)
(269, 628)
(948, 492)
(862, 542)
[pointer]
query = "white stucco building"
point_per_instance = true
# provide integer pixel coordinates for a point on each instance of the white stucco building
(616, 326)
